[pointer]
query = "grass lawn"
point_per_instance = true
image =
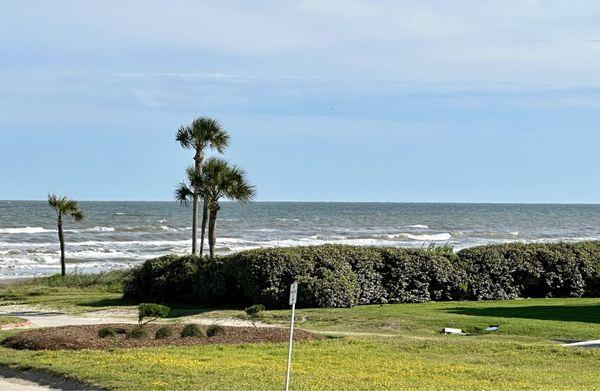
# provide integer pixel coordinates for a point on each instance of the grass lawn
(523, 354)
(10, 320)
(73, 293)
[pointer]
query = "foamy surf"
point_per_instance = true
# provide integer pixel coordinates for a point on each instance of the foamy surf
(117, 234)
(418, 226)
(24, 230)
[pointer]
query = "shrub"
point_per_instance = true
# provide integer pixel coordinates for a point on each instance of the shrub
(414, 276)
(365, 263)
(192, 330)
(151, 310)
(163, 332)
(254, 310)
(185, 279)
(214, 330)
(137, 332)
(265, 275)
(343, 276)
(514, 270)
(105, 332)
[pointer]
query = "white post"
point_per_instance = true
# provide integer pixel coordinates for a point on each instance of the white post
(293, 294)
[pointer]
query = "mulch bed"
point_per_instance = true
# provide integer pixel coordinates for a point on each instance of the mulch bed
(86, 337)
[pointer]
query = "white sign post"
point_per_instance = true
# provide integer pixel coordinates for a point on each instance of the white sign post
(293, 295)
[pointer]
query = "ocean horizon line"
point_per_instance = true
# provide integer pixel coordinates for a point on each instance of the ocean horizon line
(344, 202)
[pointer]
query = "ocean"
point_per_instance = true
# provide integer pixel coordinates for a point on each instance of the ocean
(121, 234)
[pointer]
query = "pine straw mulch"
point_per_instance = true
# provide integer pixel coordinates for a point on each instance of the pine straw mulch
(86, 337)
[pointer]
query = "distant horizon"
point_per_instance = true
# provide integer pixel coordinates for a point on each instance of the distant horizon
(336, 202)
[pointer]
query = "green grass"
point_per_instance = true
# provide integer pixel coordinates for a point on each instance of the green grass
(539, 318)
(445, 362)
(72, 293)
(376, 347)
(10, 320)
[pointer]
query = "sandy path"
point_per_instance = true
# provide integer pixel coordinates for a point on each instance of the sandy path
(49, 318)
(17, 380)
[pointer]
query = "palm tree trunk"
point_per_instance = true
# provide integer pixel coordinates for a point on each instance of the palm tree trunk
(204, 221)
(197, 167)
(61, 239)
(212, 231)
(194, 222)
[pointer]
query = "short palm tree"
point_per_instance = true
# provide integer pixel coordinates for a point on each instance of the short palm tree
(221, 180)
(64, 207)
(202, 133)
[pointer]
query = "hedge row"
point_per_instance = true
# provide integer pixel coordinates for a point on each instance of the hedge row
(343, 276)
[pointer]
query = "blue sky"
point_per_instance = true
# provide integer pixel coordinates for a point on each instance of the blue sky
(468, 101)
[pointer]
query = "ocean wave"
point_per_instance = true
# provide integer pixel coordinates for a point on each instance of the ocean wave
(429, 237)
(25, 230)
(418, 226)
(93, 229)
(99, 243)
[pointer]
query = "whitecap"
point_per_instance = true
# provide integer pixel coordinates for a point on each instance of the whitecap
(24, 230)
(418, 226)
(93, 229)
(432, 237)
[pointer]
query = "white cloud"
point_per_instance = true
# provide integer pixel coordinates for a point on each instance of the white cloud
(541, 41)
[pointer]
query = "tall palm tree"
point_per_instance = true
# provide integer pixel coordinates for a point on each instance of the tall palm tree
(185, 190)
(221, 180)
(64, 207)
(202, 133)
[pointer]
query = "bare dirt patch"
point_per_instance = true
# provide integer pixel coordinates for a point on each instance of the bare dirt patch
(86, 337)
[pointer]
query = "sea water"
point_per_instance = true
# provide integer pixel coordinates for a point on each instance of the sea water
(121, 234)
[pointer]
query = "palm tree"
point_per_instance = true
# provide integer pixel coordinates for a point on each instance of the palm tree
(64, 207)
(220, 180)
(202, 133)
(185, 191)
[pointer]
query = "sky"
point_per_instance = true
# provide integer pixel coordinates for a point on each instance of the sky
(417, 101)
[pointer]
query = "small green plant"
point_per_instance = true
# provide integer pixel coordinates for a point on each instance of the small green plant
(192, 330)
(151, 310)
(106, 332)
(254, 311)
(214, 330)
(163, 332)
(138, 332)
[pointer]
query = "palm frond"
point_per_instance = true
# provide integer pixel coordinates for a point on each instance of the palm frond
(203, 132)
(65, 206)
(184, 136)
(224, 180)
(78, 215)
(183, 194)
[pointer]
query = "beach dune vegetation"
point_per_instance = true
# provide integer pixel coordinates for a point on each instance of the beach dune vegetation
(345, 276)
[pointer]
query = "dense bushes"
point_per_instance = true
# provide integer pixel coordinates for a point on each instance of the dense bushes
(513, 270)
(343, 276)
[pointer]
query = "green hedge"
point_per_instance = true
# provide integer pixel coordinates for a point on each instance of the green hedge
(344, 276)
(512, 270)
